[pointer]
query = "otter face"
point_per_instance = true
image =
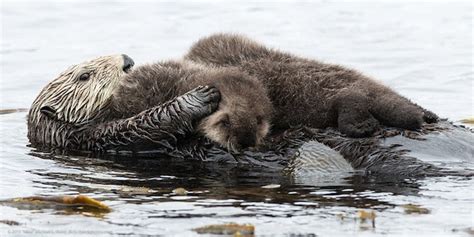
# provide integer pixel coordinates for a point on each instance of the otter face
(238, 123)
(81, 93)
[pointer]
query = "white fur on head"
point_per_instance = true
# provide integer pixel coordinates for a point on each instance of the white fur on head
(76, 101)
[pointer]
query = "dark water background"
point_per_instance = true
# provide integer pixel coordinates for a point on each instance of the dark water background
(423, 50)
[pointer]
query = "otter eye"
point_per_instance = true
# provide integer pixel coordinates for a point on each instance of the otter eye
(259, 120)
(84, 76)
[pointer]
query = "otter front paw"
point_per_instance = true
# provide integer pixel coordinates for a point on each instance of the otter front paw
(202, 101)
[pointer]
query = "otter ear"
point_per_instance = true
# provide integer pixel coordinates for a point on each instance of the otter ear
(49, 111)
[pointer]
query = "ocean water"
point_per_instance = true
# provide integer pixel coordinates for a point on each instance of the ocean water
(423, 50)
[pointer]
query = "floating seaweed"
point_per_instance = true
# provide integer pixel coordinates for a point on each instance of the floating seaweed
(227, 229)
(366, 216)
(468, 120)
(180, 191)
(415, 209)
(9, 222)
(69, 204)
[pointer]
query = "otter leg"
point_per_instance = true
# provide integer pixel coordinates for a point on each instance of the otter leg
(160, 126)
(392, 109)
(353, 116)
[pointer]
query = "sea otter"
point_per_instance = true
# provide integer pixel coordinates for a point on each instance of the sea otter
(104, 105)
(244, 114)
(308, 92)
(75, 112)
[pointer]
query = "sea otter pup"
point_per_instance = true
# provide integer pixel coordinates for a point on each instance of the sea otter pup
(308, 92)
(76, 112)
(244, 114)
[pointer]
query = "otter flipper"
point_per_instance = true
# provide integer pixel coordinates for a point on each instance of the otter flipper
(159, 127)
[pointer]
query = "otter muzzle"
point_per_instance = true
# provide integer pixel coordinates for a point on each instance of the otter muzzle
(127, 63)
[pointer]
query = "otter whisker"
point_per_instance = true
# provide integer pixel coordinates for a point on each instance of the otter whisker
(234, 149)
(228, 144)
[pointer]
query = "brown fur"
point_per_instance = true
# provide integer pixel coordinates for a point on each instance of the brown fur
(244, 114)
(312, 93)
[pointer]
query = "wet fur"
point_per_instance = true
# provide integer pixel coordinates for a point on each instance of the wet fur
(308, 92)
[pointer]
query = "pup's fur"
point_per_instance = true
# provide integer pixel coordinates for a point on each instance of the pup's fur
(244, 114)
(309, 92)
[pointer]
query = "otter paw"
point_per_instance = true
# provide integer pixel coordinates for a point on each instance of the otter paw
(207, 94)
(360, 128)
(430, 117)
(203, 100)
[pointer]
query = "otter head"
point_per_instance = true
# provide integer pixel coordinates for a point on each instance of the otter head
(244, 114)
(81, 94)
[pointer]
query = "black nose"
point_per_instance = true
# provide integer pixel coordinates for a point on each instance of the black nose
(248, 140)
(127, 63)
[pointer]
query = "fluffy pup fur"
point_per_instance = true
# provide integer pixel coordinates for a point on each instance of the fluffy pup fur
(244, 114)
(309, 92)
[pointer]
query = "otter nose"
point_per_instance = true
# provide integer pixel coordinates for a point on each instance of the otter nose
(248, 141)
(127, 63)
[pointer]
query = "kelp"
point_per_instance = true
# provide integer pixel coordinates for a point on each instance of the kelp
(80, 204)
(415, 209)
(366, 216)
(468, 120)
(227, 229)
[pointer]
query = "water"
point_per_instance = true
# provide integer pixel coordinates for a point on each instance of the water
(422, 50)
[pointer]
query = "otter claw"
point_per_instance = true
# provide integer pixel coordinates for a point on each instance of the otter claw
(208, 94)
(205, 100)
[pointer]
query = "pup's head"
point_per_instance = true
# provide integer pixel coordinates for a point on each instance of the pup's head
(244, 115)
(81, 93)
